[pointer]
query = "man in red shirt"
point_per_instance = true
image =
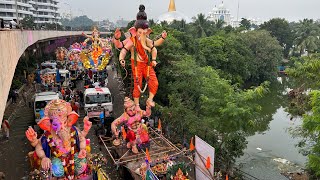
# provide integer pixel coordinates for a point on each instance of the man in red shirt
(75, 106)
(5, 127)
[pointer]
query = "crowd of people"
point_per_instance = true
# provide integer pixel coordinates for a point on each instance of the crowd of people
(13, 24)
(75, 97)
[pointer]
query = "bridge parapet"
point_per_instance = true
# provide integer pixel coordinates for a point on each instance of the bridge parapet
(12, 45)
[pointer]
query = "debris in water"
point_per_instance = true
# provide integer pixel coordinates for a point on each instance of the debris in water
(283, 161)
(259, 149)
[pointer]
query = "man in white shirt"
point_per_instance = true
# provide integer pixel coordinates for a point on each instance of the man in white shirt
(13, 24)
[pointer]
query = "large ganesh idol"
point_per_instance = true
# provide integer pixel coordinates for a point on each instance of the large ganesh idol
(137, 132)
(98, 54)
(138, 43)
(74, 57)
(61, 54)
(62, 147)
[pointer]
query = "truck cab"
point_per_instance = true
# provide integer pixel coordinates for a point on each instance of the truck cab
(40, 102)
(97, 101)
(64, 78)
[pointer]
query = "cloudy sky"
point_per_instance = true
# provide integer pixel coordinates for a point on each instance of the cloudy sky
(292, 10)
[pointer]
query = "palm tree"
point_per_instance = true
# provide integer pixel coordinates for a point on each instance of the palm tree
(306, 36)
(151, 22)
(164, 23)
(219, 24)
(202, 24)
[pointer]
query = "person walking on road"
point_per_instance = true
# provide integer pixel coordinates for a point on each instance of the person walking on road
(14, 96)
(24, 96)
(5, 128)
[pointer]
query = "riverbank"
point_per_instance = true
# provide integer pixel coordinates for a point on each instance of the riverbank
(272, 154)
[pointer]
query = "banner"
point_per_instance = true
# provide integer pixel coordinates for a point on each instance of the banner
(204, 151)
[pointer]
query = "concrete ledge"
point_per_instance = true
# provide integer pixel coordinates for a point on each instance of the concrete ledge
(12, 45)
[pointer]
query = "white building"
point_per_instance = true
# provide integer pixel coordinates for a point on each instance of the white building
(172, 15)
(220, 13)
(43, 11)
(224, 14)
(8, 9)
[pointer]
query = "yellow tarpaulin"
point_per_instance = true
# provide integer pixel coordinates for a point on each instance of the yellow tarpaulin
(102, 175)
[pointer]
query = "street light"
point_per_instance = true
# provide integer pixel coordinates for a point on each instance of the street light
(36, 8)
(55, 17)
(70, 12)
(82, 14)
(17, 14)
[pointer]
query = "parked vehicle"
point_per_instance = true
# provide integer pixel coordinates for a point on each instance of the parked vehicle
(97, 101)
(40, 102)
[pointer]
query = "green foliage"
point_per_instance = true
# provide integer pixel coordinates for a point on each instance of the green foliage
(28, 23)
(306, 71)
(201, 23)
(131, 24)
(280, 29)
(245, 23)
(229, 54)
(305, 74)
(185, 168)
(267, 55)
(79, 21)
(311, 130)
(201, 67)
(306, 36)
(210, 107)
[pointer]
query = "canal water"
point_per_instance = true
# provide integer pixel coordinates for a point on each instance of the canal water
(272, 149)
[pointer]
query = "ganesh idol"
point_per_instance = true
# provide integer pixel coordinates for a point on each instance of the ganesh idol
(62, 148)
(137, 131)
(138, 43)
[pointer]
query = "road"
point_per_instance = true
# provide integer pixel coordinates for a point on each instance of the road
(13, 153)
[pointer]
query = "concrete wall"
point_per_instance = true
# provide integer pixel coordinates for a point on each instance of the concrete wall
(12, 46)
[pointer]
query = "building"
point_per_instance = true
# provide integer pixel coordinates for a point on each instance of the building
(106, 25)
(220, 13)
(224, 14)
(43, 11)
(172, 15)
(8, 9)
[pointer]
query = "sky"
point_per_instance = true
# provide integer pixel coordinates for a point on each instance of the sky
(292, 10)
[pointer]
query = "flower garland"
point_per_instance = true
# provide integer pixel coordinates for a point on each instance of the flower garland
(67, 162)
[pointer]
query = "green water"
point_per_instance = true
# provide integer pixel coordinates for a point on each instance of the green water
(272, 139)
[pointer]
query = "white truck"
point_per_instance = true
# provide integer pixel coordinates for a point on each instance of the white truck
(97, 101)
(64, 78)
(40, 102)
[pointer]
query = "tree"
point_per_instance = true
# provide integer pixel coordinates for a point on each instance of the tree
(219, 24)
(306, 36)
(280, 29)
(267, 55)
(179, 25)
(305, 72)
(131, 24)
(78, 22)
(202, 24)
(228, 53)
(28, 22)
(211, 108)
(152, 22)
(228, 29)
(245, 23)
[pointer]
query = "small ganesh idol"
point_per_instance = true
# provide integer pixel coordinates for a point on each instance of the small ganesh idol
(62, 147)
(137, 132)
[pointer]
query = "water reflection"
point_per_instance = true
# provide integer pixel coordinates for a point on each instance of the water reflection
(271, 139)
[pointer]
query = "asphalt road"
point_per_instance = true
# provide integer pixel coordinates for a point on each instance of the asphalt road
(13, 152)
